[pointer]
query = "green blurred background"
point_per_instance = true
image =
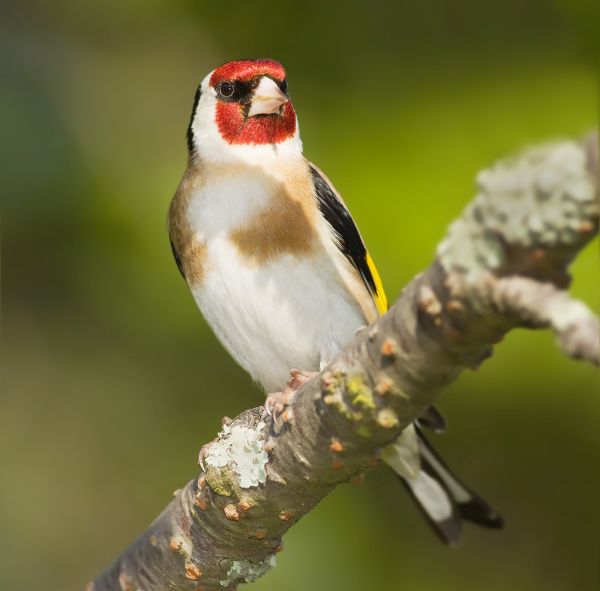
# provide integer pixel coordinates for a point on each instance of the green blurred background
(112, 380)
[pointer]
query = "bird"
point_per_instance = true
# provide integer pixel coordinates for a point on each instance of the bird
(277, 266)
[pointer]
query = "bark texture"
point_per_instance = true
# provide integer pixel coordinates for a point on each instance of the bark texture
(502, 265)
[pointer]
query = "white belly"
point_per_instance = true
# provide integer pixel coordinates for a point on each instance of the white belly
(277, 316)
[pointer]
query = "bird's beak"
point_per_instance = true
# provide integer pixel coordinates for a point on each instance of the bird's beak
(267, 98)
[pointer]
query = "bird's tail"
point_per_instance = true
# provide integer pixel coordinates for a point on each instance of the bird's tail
(444, 499)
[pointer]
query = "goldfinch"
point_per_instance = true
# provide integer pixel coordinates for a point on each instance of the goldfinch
(276, 264)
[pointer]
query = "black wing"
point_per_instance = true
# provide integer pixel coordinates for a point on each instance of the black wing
(341, 222)
(176, 257)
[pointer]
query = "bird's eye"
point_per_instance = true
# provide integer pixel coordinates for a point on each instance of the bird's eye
(283, 87)
(226, 89)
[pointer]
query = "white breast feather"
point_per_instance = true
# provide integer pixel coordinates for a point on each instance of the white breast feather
(287, 313)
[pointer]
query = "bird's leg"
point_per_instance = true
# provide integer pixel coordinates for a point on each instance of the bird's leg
(299, 377)
(277, 404)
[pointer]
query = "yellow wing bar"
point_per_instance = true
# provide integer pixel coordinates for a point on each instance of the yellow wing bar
(379, 295)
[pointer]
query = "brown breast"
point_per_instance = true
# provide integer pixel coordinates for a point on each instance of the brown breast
(284, 226)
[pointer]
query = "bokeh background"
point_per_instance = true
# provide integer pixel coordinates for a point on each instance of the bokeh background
(112, 380)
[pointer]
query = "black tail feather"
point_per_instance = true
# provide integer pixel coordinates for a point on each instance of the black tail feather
(469, 504)
(477, 511)
(444, 500)
(433, 420)
(448, 528)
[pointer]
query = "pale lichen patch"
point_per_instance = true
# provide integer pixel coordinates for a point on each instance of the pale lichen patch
(245, 571)
(563, 316)
(537, 200)
(243, 450)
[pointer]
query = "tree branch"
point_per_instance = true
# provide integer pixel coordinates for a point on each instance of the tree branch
(542, 305)
(502, 265)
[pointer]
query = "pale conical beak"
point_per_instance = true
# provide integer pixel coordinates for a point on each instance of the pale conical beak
(267, 98)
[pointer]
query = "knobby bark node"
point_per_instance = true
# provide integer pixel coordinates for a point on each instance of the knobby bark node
(503, 264)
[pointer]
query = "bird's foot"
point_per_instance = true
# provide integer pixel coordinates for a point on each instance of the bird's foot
(278, 404)
(299, 377)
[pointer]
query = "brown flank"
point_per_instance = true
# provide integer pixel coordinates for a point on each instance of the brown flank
(191, 251)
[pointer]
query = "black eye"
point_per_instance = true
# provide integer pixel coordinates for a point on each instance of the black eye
(226, 89)
(283, 87)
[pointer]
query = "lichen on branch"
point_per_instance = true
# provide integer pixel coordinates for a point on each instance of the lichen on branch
(242, 450)
(540, 200)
